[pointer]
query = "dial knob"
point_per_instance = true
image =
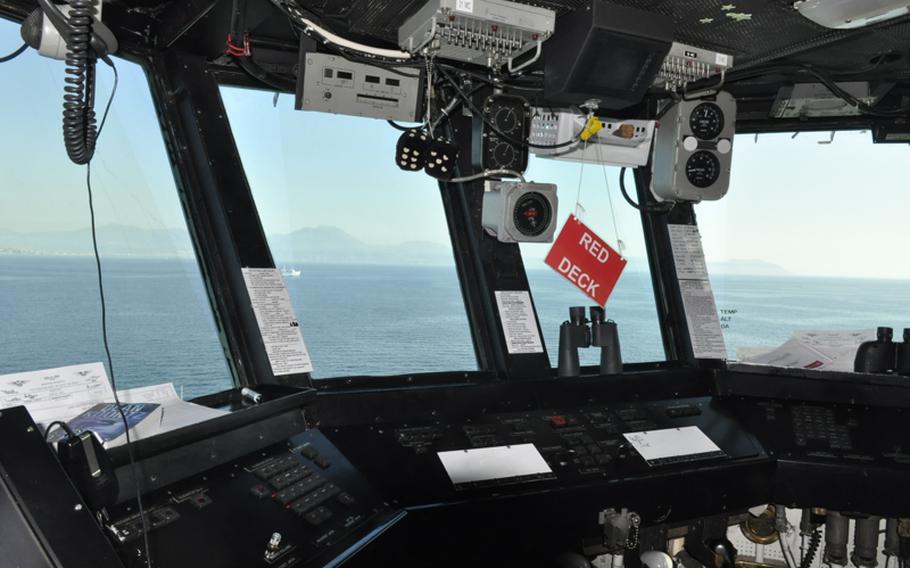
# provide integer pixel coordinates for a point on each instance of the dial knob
(707, 121)
(702, 169)
(506, 120)
(532, 214)
(504, 156)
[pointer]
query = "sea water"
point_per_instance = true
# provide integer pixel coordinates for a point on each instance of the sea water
(369, 319)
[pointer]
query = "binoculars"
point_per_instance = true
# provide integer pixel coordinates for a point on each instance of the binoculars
(578, 332)
(883, 355)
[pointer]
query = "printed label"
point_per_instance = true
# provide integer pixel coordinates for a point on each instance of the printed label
(278, 324)
(698, 297)
(464, 6)
(519, 324)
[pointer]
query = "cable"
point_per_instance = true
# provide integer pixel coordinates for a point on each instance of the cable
(14, 54)
(397, 126)
(488, 174)
(107, 348)
(647, 209)
(63, 425)
(348, 44)
(79, 131)
(492, 126)
(825, 79)
(815, 540)
(272, 80)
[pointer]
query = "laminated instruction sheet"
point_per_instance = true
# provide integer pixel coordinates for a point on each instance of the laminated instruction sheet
(519, 325)
(278, 324)
(697, 295)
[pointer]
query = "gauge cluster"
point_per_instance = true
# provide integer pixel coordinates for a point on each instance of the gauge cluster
(693, 150)
(499, 149)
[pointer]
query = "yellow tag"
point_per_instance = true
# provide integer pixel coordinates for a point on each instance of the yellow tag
(593, 126)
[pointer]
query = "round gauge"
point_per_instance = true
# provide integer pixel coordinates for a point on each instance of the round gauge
(506, 119)
(532, 214)
(702, 169)
(504, 156)
(707, 121)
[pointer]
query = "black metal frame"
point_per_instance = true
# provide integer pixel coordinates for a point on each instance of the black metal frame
(218, 205)
(668, 297)
(484, 265)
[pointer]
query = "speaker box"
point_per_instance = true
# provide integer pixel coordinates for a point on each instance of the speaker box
(607, 52)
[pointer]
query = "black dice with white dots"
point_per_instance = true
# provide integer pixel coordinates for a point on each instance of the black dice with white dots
(413, 147)
(441, 159)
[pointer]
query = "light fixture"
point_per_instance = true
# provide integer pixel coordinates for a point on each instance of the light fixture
(849, 14)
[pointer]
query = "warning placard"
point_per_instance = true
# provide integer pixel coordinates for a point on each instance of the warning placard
(519, 324)
(585, 260)
(277, 323)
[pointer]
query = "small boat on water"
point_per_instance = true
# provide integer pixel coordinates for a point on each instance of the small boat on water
(290, 272)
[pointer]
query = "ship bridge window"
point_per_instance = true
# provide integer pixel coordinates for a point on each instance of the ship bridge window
(632, 304)
(160, 324)
(364, 247)
(811, 237)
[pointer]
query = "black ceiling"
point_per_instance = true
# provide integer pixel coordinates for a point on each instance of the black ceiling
(755, 31)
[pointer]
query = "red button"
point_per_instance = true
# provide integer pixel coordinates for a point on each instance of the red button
(558, 421)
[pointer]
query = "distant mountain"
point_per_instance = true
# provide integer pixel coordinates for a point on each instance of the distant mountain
(313, 244)
(332, 244)
(325, 244)
(117, 240)
(751, 267)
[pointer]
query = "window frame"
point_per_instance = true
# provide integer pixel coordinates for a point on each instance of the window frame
(221, 259)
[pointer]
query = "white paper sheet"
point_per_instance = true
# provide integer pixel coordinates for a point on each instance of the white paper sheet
(792, 354)
(65, 392)
(828, 350)
(497, 463)
(56, 394)
(697, 295)
(278, 324)
(656, 446)
(176, 412)
(518, 322)
(687, 252)
(702, 319)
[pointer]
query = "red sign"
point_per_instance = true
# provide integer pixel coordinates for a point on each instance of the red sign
(586, 260)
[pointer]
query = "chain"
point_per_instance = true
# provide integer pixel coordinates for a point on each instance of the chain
(632, 542)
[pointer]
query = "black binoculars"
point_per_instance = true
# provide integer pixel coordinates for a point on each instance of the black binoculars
(883, 355)
(578, 332)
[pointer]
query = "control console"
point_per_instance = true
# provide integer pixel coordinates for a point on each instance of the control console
(302, 501)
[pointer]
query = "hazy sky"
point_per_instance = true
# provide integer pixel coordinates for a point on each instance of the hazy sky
(838, 209)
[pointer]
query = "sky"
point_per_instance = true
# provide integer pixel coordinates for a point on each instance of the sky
(818, 209)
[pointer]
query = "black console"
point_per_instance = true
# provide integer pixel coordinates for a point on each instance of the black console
(298, 503)
(359, 478)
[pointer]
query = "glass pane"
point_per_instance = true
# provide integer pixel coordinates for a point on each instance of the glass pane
(159, 320)
(810, 237)
(632, 304)
(363, 245)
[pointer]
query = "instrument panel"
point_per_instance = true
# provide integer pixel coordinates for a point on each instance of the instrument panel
(294, 504)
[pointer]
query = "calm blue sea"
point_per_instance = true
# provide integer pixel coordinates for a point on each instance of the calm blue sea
(368, 319)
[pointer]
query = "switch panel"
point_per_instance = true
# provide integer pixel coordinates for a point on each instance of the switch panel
(333, 84)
